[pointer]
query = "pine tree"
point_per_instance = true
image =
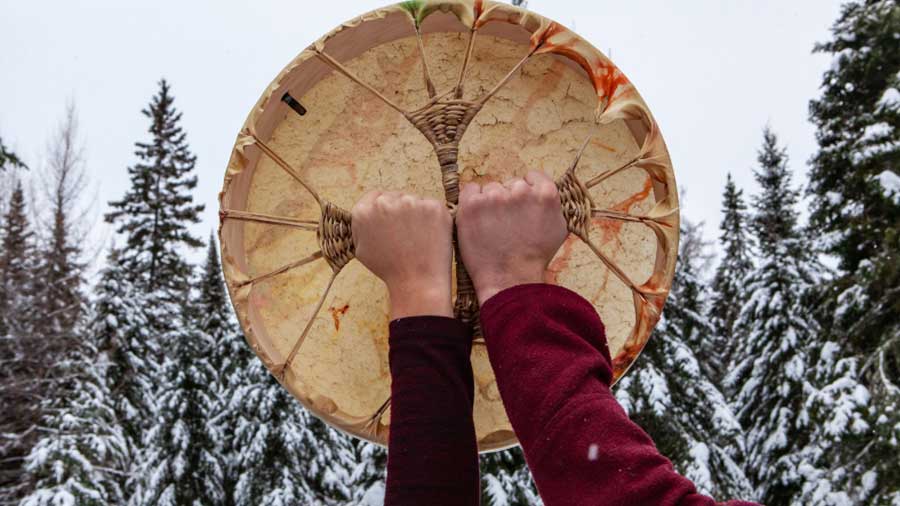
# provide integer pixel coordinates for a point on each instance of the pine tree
(230, 357)
(734, 267)
(155, 212)
(835, 468)
(16, 266)
(153, 216)
(121, 330)
(83, 454)
(855, 187)
(694, 329)
(21, 370)
(506, 479)
(369, 472)
(287, 456)
(230, 353)
(316, 463)
(182, 463)
(769, 370)
(665, 387)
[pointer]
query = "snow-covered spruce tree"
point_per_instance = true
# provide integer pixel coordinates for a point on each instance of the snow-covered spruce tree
(153, 216)
(82, 456)
(695, 328)
(774, 330)
(668, 394)
(855, 185)
(286, 455)
(155, 212)
(369, 473)
(735, 265)
(17, 266)
(21, 371)
(835, 468)
(181, 455)
(121, 332)
(229, 357)
(506, 480)
(330, 465)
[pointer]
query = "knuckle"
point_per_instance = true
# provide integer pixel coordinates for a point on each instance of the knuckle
(548, 192)
(471, 205)
(493, 186)
(360, 211)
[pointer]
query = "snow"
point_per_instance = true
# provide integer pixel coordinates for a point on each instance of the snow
(794, 368)
(890, 98)
(700, 466)
(890, 181)
(687, 361)
(657, 391)
(876, 131)
(374, 496)
(834, 198)
(58, 497)
(828, 352)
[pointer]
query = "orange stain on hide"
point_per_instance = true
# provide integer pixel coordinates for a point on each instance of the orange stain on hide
(597, 143)
(605, 76)
(625, 205)
(629, 353)
(625, 358)
(336, 313)
(561, 262)
(541, 40)
(610, 228)
(608, 82)
(477, 9)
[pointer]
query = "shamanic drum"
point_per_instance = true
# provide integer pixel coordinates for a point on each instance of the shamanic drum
(384, 101)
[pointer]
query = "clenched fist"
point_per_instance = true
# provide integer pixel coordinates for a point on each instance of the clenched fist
(407, 242)
(509, 233)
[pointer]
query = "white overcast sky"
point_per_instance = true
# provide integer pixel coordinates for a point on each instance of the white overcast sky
(714, 72)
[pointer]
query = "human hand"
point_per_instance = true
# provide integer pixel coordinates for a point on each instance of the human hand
(509, 233)
(407, 242)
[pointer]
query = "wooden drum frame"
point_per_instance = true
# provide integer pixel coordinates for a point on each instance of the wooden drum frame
(384, 101)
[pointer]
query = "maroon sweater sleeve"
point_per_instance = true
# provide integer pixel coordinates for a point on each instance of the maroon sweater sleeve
(549, 353)
(432, 453)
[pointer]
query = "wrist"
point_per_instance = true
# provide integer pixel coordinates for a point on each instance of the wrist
(492, 283)
(425, 297)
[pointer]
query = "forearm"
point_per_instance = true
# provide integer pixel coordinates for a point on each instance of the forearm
(548, 350)
(432, 453)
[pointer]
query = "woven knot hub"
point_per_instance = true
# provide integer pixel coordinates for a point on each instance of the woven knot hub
(576, 204)
(444, 122)
(335, 236)
(466, 307)
(446, 154)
